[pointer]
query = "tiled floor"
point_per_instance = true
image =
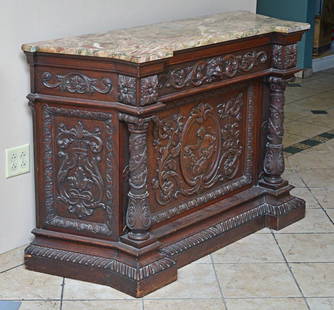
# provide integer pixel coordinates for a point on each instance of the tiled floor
(289, 269)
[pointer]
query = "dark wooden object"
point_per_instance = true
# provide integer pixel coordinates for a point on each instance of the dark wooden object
(143, 168)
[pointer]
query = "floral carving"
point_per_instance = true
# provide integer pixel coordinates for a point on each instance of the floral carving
(149, 90)
(127, 89)
(284, 57)
(212, 69)
(205, 145)
(77, 83)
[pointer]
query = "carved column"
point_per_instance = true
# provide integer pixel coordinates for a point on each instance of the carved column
(274, 159)
(138, 217)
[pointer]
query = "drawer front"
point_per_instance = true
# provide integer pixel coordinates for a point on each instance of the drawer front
(76, 83)
(75, 169)
(201, 150)
(214, 70)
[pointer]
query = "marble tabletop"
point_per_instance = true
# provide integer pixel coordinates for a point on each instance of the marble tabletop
(159, 41)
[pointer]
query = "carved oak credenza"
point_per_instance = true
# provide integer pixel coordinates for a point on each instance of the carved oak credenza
(157, 145)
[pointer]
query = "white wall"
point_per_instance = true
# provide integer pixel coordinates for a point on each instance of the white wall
(23, 21)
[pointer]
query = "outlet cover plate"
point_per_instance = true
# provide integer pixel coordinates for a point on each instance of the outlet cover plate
(17, 160)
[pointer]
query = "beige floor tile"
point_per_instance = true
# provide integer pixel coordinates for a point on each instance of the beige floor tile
(198, 278)
(75, 289)
(290, 139)
(298, 93)
(102, 305)
(305, 194)
(293, 177)
(306, 159)
(203, 260)
(20, 283)
(40, 305)
(317, 177)
(320, 83)
(321, 303)
(256, 280)
(267, 303)
(315, 279)
(184, 304)
(325, 196)
(315, 221)
(304, 129)
(255, 248)
(307, 247)
(330, 212)
(11, 258)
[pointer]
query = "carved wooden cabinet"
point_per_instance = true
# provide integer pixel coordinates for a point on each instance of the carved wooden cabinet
(149, 155)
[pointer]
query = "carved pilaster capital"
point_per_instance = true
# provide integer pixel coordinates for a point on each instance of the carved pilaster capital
(149, 90)
(284, 56)
(129, 94)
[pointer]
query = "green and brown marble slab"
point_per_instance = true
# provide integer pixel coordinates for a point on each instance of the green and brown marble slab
(159, 41)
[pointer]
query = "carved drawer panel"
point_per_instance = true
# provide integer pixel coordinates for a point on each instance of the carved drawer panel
(202, 150)
(214, 69)
(77, 153)
(76, 83)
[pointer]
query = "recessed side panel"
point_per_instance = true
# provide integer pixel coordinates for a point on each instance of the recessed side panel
(76, 162)
(201, 150)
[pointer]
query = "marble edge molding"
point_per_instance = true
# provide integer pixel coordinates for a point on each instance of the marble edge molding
(159, 41)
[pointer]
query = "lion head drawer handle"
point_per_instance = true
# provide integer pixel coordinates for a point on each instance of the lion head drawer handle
(77, 83)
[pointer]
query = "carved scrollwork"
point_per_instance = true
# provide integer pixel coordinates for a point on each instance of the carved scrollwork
(77, 83)
(212, 69)
(205, 145)
(77, 182)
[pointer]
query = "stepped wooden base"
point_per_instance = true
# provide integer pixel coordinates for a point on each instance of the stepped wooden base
(156, 265)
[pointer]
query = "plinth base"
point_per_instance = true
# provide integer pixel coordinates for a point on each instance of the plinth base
(133, 277)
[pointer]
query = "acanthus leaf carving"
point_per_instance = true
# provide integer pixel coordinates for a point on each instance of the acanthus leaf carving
(212, 69)
(284, 56)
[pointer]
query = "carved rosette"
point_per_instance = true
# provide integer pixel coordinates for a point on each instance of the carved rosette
(197, 151)
(274, 160)
(77, 83)
(138, 217)
(127, 89)
(149, 90)
(284, 56)
(212, 69)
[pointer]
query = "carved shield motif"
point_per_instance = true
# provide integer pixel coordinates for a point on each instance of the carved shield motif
(200, 146)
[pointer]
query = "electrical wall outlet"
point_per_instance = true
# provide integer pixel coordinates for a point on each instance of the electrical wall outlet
(17, 160)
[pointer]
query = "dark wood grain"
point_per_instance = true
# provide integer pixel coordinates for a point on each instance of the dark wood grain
(144, 168)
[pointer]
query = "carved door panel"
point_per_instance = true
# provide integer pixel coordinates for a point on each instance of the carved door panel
(76, 158)
(201, 150)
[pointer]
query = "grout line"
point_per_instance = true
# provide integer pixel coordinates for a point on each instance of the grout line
(62, 294)
(292, 274)
(219, 285)
(11, 268)
(316, 199)
(142, 304)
